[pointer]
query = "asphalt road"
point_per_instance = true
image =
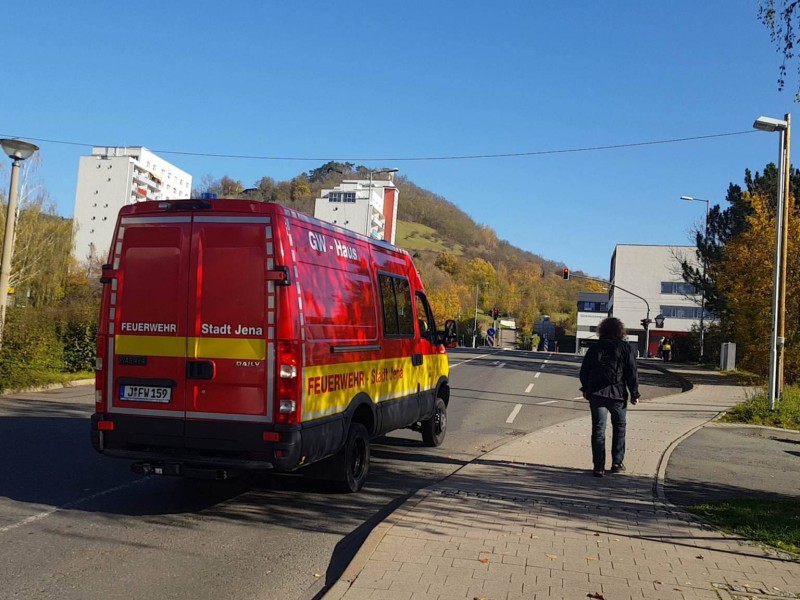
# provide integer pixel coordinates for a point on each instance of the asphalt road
(722, 462)
(75, 524)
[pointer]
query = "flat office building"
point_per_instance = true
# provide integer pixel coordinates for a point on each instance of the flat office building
(650, 277)
(113, 177)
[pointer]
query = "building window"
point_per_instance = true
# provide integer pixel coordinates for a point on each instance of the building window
(342, 197)
(678, 287)
(683, 312)
(585, 306)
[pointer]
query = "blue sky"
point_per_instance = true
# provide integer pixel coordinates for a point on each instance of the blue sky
(393, 80)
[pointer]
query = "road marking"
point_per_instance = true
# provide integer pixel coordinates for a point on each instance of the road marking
(547, 402)
(529, 388)
(536, 375)
(68, 505)
(546, 360)
(463, 362)
(514, 413)
(501, 365)
(578, 398)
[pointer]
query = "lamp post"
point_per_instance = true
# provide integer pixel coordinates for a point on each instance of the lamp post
(18, 151)
(475, 330)
(703, 288)
(779, 273)
(371, 173)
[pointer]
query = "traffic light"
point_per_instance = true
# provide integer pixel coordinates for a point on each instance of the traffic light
(495, 312)
(646, 323)
(565, 274)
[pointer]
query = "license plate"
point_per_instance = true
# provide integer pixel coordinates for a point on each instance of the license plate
(145, 393)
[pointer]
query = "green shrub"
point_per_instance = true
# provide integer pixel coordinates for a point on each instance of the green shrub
(40, 345)
(31, 350)
(79, 339)
(755, 410)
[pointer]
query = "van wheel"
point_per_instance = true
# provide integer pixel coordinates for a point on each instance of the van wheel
(433, 429)
(352, 462)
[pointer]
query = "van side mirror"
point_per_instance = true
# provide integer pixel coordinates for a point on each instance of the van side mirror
(108, 274)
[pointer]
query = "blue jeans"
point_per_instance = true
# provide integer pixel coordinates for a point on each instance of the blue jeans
(618, 410)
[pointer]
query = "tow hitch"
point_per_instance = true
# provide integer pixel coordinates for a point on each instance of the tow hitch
(179, 469)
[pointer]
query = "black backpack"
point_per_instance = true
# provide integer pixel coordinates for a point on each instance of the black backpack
(608, 370)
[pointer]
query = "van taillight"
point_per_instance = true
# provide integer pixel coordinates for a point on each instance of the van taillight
(287, 386)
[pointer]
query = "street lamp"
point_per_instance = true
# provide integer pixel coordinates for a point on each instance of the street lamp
(18, 151)
(475, 331)
(779, 274)
(703, 288)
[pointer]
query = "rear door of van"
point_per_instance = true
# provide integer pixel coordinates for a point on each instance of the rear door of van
(191, 329)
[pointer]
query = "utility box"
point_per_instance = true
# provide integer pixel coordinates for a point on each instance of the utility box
(727, 356)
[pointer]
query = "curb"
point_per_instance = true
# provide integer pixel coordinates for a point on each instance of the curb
(50, 386)
(353, 570)
(661, 471)
(686, 385)
(658, 490)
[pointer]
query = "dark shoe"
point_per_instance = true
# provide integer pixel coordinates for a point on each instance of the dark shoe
(617, 468)
(598, 472)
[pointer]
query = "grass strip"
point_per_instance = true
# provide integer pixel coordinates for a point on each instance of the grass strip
(755, 410)
(772, 522)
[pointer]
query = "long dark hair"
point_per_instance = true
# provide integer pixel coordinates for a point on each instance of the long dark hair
(611, 327)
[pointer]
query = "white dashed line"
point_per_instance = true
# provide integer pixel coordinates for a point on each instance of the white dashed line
(69, 505)
(514, 413)
(501, 365)
(578, 398)
(529, 388)
(537, 375)
(547, 402)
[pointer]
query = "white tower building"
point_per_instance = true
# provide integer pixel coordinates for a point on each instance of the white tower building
(363, 206)
(113, 177)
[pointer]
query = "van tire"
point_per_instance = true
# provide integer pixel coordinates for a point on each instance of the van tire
(352, 461)
(435, 428)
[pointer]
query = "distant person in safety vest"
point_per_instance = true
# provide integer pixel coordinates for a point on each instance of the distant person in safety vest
(666, 351)
(608, 378)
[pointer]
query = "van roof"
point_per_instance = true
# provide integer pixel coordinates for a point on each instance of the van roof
(247, 206)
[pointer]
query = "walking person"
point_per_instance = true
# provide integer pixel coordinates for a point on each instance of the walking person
(667, 350)
(608, 378)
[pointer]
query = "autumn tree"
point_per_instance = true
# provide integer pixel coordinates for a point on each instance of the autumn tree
(782, 18)
(745, 280)
(42, 243)
(726, 225)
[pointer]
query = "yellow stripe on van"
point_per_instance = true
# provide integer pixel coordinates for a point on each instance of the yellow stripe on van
(150, 345)
(194, 347)
(329, 389)
(238, 348)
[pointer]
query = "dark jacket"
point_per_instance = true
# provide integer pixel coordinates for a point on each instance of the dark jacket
(630, 376)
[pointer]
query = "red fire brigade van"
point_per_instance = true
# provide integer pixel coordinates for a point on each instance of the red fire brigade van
(240, 335)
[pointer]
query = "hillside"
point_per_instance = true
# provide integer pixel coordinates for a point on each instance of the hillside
(456, 256)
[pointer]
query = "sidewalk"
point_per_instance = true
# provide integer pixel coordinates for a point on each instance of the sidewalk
(529, 521)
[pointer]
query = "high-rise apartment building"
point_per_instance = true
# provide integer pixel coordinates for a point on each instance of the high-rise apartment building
(368, 207)
(113, 177)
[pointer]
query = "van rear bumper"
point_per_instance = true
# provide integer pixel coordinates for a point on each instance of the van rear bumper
(218, 444)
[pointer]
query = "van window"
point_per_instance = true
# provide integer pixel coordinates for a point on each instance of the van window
(424, 317)
(398, 314)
